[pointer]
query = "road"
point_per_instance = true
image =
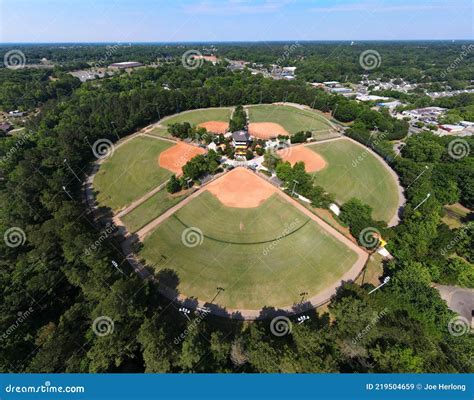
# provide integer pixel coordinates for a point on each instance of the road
(460, 300)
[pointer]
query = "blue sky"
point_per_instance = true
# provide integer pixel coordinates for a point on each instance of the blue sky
(232, 20)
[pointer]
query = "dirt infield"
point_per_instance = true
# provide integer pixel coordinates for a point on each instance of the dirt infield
(240, 188)
(313, 161)
(175, 157)
(215, 126)
(266, 130)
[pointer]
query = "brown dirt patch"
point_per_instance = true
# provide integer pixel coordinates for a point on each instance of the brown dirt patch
(215, 126)
(241, 188)
(313, 161)
(175, 157)
(266, 130)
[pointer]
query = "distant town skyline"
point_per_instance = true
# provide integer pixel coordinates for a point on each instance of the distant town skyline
(36, 21)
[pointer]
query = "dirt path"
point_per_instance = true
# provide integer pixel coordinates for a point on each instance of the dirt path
(141, 200)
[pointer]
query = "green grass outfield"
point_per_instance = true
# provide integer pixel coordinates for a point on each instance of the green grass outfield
(150, 209)
(367, 179)
(130, 172)
(196, 117)
(291, 118)
(294, 254)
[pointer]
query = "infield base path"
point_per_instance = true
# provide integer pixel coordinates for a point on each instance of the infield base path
(174, 158)
(241, 188)
(266, 130)
(312, 161)
(215, 126)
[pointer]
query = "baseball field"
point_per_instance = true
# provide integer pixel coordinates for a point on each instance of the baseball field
(352, 171)
(263, 255)
(130, 172)
(291, 119)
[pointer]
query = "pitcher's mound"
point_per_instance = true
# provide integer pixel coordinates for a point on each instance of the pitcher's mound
(266, 130)
(215, 126)
(175, 157)
(313, 161)
(241, 188)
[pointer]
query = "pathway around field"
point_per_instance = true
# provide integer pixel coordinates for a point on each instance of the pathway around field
(316, 300)
(141, 200)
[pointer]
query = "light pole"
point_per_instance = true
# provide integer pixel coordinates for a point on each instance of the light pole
(185, 312)
(115, 129)
(385, 281)
(65, 162)
(219, 289)
(303, 294)
(64, 188)
(294, 186)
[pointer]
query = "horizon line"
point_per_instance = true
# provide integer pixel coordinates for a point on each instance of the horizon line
(241, 41)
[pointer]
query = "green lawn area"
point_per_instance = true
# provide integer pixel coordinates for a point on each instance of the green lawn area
(290, 118)
(298, 255)
(130, 172)
(373, 271)
(150, 209)
(368, 180)
(198, 116)
(454, 215)
(158, 131)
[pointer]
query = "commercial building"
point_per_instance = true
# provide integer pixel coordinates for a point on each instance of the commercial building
(126, 64)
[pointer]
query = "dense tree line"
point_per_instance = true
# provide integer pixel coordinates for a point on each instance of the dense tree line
(68, 282)
(26, 89)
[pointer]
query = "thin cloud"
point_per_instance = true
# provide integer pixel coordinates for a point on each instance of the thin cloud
(379, 7)
(234, 7)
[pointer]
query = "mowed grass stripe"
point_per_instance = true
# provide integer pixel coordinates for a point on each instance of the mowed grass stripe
(196, 117)
(131, 172)
(253, 275)
(281, 236)
(347, 176)
(150, 209)
(290, 118)
(261, 224)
